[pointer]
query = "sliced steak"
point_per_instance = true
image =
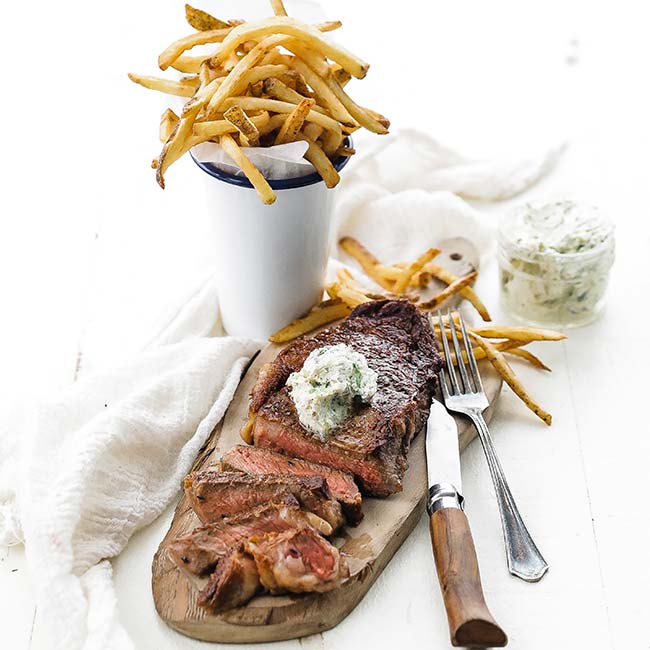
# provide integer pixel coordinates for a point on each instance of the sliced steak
(233, 583)
(216, 494)
(297, 561)
(372, 444)
(199, 551)
(259, 461)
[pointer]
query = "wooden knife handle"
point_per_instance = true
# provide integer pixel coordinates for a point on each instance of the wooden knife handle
(470, 621)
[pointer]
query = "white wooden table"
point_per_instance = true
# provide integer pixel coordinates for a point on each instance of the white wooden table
(91, 251)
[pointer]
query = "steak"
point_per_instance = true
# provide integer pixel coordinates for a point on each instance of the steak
(372, 444)
(214, 494)
(298, 561)
(258, 461)
(233, 583)
(199, 551)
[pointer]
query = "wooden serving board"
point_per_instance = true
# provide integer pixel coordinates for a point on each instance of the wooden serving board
(367, 548)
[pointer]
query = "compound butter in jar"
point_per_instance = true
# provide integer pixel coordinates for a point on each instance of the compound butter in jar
(554, 263)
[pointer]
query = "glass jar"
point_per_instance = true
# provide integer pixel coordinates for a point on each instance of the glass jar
(554, 263)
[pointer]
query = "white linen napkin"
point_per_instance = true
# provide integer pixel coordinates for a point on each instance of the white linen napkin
(88, 468)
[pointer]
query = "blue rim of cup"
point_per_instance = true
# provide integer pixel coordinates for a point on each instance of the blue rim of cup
(279, 184)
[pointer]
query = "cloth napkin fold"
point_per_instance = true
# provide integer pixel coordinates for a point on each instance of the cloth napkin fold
(82, 472)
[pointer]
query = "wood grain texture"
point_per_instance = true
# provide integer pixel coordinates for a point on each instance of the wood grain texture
(470, 622)
(367, 548)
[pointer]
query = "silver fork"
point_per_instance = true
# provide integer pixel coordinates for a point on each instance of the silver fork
(468, 397)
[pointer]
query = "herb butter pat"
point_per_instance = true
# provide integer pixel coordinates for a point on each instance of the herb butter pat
(331, 380)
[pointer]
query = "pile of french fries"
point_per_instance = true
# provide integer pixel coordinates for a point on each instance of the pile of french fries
(268, 82)
(406, 280)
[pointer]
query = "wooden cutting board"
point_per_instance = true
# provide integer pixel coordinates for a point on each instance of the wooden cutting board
(367, 548)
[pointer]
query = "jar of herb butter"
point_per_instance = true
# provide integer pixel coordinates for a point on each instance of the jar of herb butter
(554, 263)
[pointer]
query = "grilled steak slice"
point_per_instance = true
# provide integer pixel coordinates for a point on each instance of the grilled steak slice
(297, 561)
(214, 494)
(373, 442)
(199, 551)
(233, 583)
(255, 460)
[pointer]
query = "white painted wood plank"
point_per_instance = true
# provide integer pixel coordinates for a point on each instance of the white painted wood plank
(16, 599)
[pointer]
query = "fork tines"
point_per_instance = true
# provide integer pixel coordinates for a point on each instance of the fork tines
(449, 379)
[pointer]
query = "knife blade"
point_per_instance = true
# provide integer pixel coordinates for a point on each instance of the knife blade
(470, 622)
(442, 453)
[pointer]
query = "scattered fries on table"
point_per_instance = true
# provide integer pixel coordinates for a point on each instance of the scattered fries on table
(404, 280)
(284, 71)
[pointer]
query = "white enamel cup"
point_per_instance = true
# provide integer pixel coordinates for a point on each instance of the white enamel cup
(270, 260)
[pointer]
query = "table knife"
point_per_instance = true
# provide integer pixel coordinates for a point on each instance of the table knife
(470, 621)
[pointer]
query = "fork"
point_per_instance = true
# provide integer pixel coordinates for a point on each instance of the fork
(468, 398)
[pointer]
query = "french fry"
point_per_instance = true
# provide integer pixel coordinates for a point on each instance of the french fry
(331, 142)
(342, 77)
(184, 88)
(315, 61)
(344, 151)
(275, 122)
(327, 312)
(359, 114)
(261, 73)
(369, 263)
(312, 131)
(499, 362)
(292, 125)
(467, 292)
(307, 34)
(277, 89)
(276, 106)
(323, 165)
(448, 291)
(177, 144)
(202, 20)
(479, 353)
(296, 82)
(349, 296)
(173, 51)
(382, 119)
(329, 25)
(247, 129)
(251, 172)
(188, 64)
(278, 8)
(213, 129)
(525, 334)
(168, 122)
(205, 73)
(530, 357)
(323, 92)
(230, 61)
(201, 97)
(404, 279)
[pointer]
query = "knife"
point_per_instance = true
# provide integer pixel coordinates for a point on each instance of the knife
(470, 621)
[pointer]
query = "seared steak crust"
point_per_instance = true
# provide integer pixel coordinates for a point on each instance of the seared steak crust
(372, 444)
(215, 494)
(233, 583)
(260, 461)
